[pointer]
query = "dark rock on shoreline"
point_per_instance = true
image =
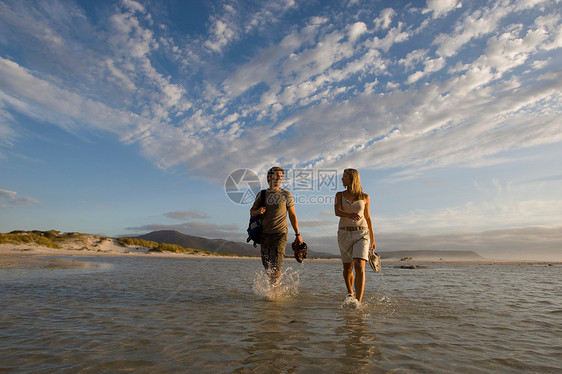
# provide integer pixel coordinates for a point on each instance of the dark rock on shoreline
(411, 267)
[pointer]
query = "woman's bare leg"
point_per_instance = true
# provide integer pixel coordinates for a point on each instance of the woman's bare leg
(348, 276)
(359, 265)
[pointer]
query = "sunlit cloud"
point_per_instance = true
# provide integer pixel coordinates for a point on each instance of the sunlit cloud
(186, 215)
(312, 65)
(12, 198)
(196, 228)
(400, 90)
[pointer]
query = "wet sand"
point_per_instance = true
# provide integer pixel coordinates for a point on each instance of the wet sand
(37, 257)
(30, 261)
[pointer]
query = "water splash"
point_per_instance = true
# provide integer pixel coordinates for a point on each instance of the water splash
(351, 302)
(286, 288)
(378, 304)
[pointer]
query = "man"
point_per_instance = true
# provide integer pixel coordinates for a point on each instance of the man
(278, 202)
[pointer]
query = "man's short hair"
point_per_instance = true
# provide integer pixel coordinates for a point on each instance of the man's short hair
(273, 170)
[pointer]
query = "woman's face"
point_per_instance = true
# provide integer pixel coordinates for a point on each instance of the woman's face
(346, 179)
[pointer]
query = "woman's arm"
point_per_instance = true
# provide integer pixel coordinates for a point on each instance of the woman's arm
(338, 209)
(337, 206)
(369, 223)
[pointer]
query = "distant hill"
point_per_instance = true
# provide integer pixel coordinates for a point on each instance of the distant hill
(221, 246)
(188, 241)
(432, 255)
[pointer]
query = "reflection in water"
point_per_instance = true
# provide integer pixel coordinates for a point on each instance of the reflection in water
(274, 340)
(361, 348)
(203, 315)
(274, 333)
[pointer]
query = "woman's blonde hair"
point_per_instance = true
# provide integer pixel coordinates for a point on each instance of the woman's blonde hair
(355, 187)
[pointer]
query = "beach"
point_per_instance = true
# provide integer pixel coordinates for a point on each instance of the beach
(82, 311)
(32, 255)
(27, 256)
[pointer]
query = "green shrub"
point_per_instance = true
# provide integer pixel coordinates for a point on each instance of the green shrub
(135, 242)
(51, 239)
(51, 234)
(174, 248)
(27, 237)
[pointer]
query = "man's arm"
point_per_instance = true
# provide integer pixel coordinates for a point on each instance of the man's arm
(294, 223)
(256, 211)
(257, 208)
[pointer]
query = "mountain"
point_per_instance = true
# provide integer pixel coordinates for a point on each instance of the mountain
(216, 245)
(432, 255)
(212, 245)
(223, 246)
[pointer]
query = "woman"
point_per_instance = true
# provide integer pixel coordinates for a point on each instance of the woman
(355, 232)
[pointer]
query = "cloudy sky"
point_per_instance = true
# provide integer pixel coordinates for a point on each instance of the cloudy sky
(123, 117)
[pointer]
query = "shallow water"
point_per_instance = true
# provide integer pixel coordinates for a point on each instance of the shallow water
(218, 315)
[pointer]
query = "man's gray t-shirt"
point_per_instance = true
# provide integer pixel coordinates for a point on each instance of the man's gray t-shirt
(275, 217)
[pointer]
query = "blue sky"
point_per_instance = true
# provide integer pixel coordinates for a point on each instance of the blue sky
(123, 117)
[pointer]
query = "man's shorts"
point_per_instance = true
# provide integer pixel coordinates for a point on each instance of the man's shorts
(273, 250)
(353, 244)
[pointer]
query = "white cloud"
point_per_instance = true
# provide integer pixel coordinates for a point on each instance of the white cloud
(11, 198)
(524, 5)
(259, 69)
(480, 22)
(123, 79)
(131, 38)
(134, 6)
(202, 229)
(415, 77)
(356, 30)
(477, 216)
(7, 133)
(290, 102)
(230, 25)
(131, 62)
(296, 69)
(317, 223)
(384, 20)
(330, 90)
(394, 36)
(48, 103)
(556, 40)
(431, 66)
(540, 243)
(440, 8)
(413, 58)
(186, 215)
(507, 51)
(511, 244)
(269, 14)
(222, 33)
(430, 125)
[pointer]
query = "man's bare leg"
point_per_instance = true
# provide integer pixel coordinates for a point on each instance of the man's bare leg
(274, 276)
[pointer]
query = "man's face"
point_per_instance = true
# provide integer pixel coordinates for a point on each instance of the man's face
(275, 179)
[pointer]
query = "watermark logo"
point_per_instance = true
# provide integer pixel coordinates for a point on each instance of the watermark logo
(308, 186)
(242, 186)
(311, 180)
